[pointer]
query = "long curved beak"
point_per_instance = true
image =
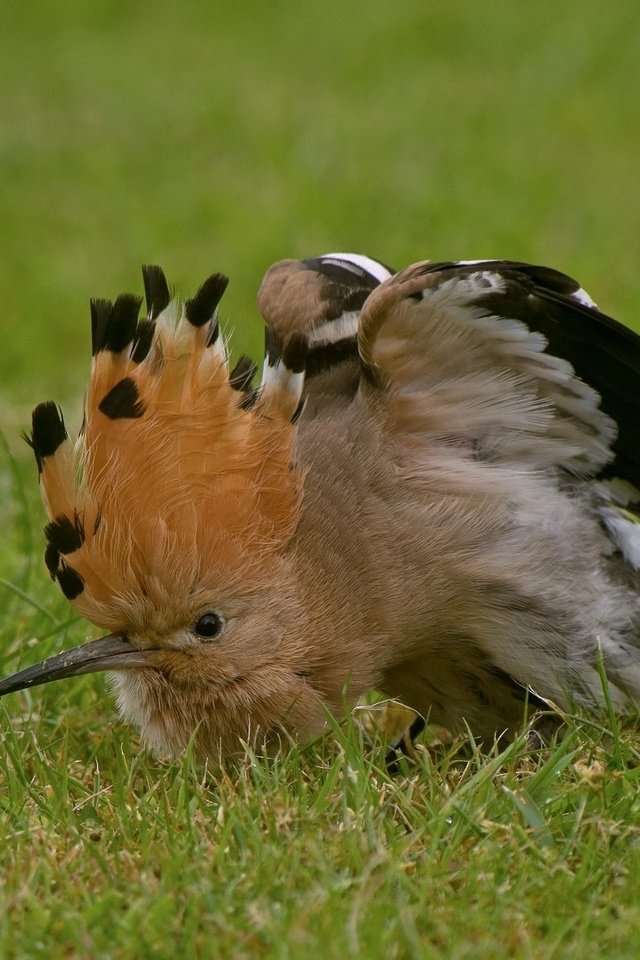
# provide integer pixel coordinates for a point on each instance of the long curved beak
(113, 652)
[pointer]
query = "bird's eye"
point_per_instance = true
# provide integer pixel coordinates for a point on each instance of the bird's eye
(208, 625)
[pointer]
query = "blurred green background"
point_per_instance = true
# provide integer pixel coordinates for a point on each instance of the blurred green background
(226, 135)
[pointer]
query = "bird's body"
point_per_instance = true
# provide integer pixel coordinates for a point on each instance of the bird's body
(451, 518)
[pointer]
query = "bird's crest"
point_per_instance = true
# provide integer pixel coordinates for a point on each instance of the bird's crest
(182, 475)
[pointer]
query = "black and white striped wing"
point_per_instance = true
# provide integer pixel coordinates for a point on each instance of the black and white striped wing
(321, 297)
(515, 366)
(512, 356)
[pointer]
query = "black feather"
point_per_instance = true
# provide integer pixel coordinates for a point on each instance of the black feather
(202, 307)
(242, 374)
(347, 286)
(47, 431)
(349, 275)
(122, 323)
(156, 290)
(215, 333)
(100, 313)
(272, 347)
(71, 583)
(65, 534)
(143, 340)
(249, 399)
(123, 401)
(297, 413)
(326, 356)
(603, 352)
(295, 353)
(52, 559)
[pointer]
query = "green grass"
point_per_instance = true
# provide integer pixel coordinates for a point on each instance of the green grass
(227, 136)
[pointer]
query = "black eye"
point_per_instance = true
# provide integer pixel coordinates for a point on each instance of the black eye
(209, 625)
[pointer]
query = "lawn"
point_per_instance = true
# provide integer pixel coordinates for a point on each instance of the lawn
(226, 136)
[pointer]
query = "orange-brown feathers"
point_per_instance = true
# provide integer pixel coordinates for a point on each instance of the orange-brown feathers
(182, 476)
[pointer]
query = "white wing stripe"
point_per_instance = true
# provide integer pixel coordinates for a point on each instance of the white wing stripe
(360, 260)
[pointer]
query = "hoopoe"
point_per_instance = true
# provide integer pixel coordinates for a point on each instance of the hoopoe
(432, 492)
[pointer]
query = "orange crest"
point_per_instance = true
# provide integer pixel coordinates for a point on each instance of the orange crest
(182, 476)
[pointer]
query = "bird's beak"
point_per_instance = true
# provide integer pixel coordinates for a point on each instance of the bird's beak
(113, 652)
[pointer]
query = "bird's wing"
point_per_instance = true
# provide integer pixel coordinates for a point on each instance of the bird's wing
(321, 297)
(513, 362)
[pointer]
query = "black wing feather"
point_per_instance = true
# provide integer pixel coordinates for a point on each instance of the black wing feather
(603, 352)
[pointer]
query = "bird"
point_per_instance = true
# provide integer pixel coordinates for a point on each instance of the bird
(432, 492)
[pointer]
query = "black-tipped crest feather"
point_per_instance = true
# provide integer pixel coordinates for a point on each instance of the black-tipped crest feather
(156, 290)
(243, 373)
(215, 333)
(65, 534)
(51, 559)
(47, 431)
(100, 313)
(71, 583)
(249, 399)
(123, 401)
(113, 325)
(143, 340)
(202, 307)
(121, 327)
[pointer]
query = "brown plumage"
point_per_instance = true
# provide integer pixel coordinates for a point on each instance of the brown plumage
(450, 518)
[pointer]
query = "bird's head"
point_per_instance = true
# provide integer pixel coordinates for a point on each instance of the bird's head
(169, 522)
